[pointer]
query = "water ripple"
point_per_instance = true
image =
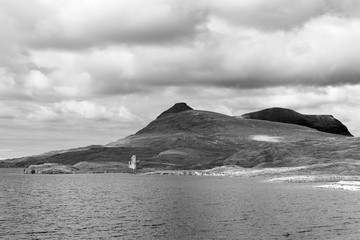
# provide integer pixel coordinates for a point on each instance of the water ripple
(104, 206)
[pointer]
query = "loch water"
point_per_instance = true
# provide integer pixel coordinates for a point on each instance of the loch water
(125, 206)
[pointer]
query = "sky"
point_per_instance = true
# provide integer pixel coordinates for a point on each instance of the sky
(75, 73)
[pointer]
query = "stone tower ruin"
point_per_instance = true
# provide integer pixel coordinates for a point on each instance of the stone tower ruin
(133, 163)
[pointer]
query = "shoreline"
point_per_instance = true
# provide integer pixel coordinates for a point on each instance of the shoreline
(299, 174)
(342, 185)
(276, 175)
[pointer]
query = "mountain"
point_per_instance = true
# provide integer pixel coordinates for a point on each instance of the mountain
(324, 123)
(184, 138)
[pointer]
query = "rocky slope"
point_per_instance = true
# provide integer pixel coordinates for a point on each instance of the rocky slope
(184, 138)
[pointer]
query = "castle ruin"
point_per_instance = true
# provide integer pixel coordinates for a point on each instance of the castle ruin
(133, 163)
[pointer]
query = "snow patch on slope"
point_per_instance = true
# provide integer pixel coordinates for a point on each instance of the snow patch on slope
(265, 138)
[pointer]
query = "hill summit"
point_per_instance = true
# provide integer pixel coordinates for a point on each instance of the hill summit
(178, 107)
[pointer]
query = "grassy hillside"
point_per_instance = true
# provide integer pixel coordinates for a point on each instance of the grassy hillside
(190, 139)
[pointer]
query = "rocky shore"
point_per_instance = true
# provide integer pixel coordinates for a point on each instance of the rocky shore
(301, 174)
(277, 175)
(343, 185)
(81, 167)
(50, 168)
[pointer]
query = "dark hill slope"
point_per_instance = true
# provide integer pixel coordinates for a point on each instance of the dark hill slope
(191, 139)
(324, 123)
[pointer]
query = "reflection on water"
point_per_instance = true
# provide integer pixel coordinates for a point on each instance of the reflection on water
(171, 207)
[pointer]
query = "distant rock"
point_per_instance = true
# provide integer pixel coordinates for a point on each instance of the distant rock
(323, 123)
(50, 168)
(178, 107)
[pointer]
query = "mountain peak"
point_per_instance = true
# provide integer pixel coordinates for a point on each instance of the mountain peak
(178, 107)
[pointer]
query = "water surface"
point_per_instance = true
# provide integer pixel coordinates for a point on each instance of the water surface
(122, 206)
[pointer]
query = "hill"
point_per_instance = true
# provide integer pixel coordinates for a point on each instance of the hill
(324, 123)
(184, 138)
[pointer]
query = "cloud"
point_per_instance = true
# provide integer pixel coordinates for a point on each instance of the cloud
(84, 109)
(266, 15)
(77, 110)
(37, 80)
(5, 150)
(45, 114)
(279, 15)
(227, 56)
(75, 25)
(298, 57)
(115, 49)
(8, 112)
(6, 116)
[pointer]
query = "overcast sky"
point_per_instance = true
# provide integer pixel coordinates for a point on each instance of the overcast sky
(75, 73)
